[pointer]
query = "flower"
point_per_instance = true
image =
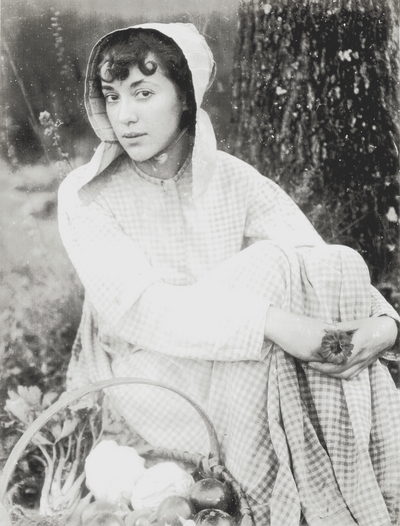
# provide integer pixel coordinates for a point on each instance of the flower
(336, 346)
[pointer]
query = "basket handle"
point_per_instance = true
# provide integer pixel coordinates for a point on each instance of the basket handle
(73, 396)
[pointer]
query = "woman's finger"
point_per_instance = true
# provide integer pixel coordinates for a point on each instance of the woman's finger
(327, 368)
(339, 371)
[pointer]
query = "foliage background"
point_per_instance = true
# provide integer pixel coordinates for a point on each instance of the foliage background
(44, 53)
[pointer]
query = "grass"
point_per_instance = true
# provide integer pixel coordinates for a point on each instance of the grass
(40, 298)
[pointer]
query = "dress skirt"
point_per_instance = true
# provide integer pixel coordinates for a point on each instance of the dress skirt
(298, 441)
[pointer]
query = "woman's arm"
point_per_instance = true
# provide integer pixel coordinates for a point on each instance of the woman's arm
(273, 215)
(301, 337)
(197, 321)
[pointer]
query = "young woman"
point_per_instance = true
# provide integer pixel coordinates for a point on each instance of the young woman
(203, 274)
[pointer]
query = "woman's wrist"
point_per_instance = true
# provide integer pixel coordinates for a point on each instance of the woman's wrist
(298, 335)
(393, 351)
(387, 333)
(310, 339)
(374, 336)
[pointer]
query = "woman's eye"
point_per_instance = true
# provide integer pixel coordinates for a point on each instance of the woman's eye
(144, 94)
(111, 97)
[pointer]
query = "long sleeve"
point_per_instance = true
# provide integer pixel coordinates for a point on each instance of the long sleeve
(380, 307)
(194, 321)
(198, 322)
(111, 267)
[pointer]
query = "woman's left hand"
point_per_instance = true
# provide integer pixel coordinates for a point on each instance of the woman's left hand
(372, 338)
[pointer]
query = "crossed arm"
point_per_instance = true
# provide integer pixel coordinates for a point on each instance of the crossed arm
(301, 336)
(123, 286)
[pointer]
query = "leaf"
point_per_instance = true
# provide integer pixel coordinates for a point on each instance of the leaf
(32, 395)
(18, 407)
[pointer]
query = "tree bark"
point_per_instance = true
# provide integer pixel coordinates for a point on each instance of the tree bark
(315, 108)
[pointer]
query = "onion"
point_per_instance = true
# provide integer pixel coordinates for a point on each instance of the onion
(159, 482)
(112, 471)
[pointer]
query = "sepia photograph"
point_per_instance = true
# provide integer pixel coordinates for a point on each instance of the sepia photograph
(200, 263)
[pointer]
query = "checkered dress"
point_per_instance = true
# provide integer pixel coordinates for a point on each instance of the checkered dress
(198, 276)
(179, 275)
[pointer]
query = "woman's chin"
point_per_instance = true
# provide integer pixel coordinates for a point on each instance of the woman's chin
(140, 157)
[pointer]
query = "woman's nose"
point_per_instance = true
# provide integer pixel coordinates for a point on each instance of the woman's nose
(127, 112)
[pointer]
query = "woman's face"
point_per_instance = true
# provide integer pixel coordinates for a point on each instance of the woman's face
(144, 111)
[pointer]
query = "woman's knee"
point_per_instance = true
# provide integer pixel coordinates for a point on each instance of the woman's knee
(337, 255)
(272, 254)
(346, 261)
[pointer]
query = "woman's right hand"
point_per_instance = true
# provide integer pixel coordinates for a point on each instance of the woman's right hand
(300, 336)
(372, 337)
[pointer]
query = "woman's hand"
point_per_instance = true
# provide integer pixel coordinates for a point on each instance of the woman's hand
(372, 338)
(299, 336)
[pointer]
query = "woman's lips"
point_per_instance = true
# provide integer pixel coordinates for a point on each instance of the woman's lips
(132, 135)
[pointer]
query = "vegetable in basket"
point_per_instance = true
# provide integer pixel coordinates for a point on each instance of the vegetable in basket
(213, 517)
(174, 511)
(212, 493)
(112, 471)
(139, 517)
(60, 446)
(158, 482)
(105, 518)
(96, 507)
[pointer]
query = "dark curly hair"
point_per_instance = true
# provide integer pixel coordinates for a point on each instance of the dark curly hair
(131, 47)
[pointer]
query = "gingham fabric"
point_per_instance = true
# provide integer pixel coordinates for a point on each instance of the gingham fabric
(178, 284)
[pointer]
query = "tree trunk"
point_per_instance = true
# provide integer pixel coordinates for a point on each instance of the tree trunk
(315, 108)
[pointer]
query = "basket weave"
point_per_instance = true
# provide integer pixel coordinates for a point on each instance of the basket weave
(209, 466)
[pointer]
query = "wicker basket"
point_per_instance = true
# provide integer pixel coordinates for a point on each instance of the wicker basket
(208, 466)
